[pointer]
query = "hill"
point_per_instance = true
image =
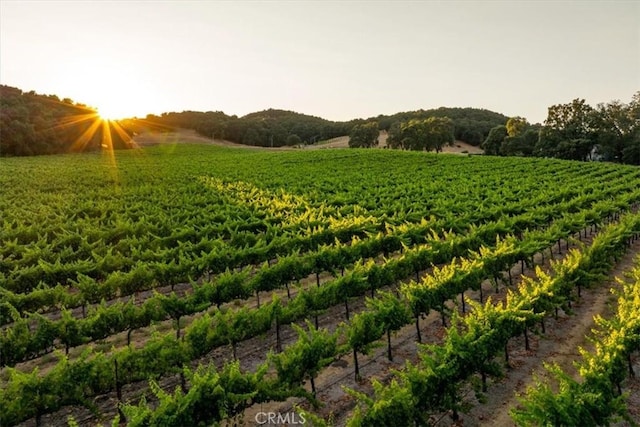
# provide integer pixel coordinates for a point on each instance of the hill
(268, 128)
(43, 124)
(277, 128)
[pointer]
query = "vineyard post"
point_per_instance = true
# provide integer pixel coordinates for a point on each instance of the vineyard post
(579, 289)
(313, 385)
(506, 353)
(355, 362)
(178, 327)
(118, 390)
(278, 342)
(183, 381)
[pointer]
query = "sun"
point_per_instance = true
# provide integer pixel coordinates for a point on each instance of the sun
(111, 112)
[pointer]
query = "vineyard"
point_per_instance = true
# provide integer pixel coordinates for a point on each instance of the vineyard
(198, 285)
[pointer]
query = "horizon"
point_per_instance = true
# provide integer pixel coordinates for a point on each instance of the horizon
(338, 61)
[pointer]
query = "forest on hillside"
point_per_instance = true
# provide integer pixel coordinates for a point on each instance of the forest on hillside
(32, 124)
(277, 128)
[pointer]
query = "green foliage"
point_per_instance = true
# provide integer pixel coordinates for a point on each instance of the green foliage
(364, 135)
(492, 144)
(429, 134)
(213, 396)
(313, 350)
(516, 126)
(293, 139)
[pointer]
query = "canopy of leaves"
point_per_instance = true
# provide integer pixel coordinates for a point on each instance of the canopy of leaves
(428, 134)
(364, 136)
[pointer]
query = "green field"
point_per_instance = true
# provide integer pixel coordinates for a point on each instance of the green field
(242, 243)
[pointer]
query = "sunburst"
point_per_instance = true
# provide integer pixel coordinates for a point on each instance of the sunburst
(96, 129)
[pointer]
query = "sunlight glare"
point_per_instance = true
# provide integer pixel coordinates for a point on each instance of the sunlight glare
(109, 114)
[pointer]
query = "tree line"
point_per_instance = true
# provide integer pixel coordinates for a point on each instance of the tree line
(33, 124)
(574, 131)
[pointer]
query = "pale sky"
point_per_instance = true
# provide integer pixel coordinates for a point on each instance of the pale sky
(337, 60)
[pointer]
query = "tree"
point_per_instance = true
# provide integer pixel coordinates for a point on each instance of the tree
(429, 134)
(568, 131)
(493, 143)
(293, 139)
(251, 137)
(413, 135)
(521, 145)
(439, 132)
(364, 136)
(616, 127)
(516, 126)
(394, 136)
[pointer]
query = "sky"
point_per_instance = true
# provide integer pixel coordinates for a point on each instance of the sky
(337, 60)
